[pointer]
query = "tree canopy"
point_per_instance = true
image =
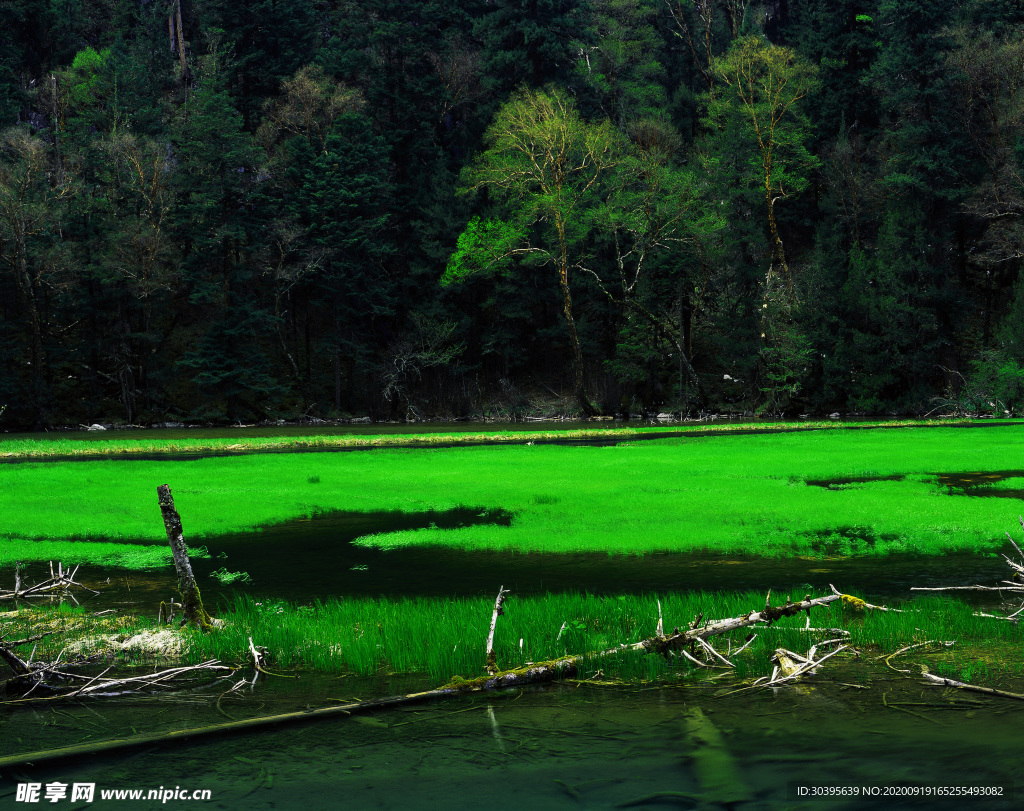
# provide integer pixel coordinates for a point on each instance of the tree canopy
(290, 210)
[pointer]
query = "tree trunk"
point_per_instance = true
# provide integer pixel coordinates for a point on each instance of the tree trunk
(337, 380)
(28, 289)
(185, 74)
(191, 600)
(579, 383)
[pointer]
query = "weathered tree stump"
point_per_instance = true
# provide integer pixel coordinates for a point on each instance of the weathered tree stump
(191, 601)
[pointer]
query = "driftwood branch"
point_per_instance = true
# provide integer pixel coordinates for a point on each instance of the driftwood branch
(960, 685)
(1015, 585)
(60, 581)
(57, 682)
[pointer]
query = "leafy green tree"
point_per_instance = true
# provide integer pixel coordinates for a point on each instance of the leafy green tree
(544, 167)
(757, 99)
(228, 326)
(761, 85)
(706, 27)
(269, 40)
(341, 201)
(910, 79)
(987, 98)
(658, 222)
(134, 258)
(308, 105)
(841, 37)
(15, 28)
(419, 71)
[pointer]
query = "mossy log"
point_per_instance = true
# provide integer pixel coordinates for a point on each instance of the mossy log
(191, 599)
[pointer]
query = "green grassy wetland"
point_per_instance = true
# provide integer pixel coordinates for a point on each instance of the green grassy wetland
(827, 492)
(437, 638)
(877, 494)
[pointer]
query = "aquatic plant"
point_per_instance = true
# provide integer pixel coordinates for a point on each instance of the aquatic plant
(227, 578)
(96, 553)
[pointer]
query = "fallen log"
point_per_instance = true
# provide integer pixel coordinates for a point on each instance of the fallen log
(766, 616)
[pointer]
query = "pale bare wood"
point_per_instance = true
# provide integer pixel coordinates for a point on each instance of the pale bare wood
(960, 685)
(491, 660)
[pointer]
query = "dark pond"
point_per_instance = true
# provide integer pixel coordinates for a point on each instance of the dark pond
(980, 484)
(558, 747)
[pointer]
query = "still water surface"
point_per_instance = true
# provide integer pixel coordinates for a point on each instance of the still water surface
(557, 747)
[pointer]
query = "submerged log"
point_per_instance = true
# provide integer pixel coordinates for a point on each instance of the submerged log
(718, 777)
(191, 600)
(715, 769)
(83, 749)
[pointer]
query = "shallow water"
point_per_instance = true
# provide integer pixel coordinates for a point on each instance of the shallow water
(561, 746)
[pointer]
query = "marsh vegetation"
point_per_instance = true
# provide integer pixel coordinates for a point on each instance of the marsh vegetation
(809, 498)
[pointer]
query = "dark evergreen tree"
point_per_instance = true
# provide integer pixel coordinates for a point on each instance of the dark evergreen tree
(532, 42)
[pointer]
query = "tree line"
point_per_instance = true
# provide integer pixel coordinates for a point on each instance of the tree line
(216, 210)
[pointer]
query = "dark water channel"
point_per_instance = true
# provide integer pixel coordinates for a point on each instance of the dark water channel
(316, 558)
(557, 747)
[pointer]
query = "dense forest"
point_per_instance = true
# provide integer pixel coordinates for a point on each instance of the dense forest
(278, 209)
